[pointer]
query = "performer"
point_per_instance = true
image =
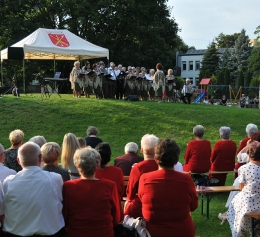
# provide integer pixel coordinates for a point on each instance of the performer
(97, 82)
(88, 81)
(120, 82)
(145, 85)
(102, 72)
(169, 84)
(138, 82)
(187, 92)
(112, 87)
(159, 82)
(76, 80)
(129, 83)
(151, 89)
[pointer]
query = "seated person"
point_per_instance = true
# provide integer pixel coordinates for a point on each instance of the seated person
(39, 140)
(92, 139)
(168, 196)
(126, 161)
(205, 101)
(82, 142)
(197, 154)
(223, 101)
(50, 154)
(242, 101)
(16, 138)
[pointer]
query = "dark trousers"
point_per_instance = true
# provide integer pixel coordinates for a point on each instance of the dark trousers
(112, 89)
(188, 96)
(120, 89)
(60, 233)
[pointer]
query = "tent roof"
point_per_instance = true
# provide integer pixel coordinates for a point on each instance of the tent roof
(205, 81)
(58, 44)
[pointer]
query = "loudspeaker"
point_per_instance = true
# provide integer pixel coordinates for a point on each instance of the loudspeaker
(15, 53)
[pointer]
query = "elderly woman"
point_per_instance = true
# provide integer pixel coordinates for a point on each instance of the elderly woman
(197, 154)
(92, 139)
(223, 155)
(39, 140)
(16, 138)
(169, 82)
(159, 82)
(168, 196)
(50, 153)
(76, 82)
(248, 200)
(69, 146)
(90, 205)
(151, 90)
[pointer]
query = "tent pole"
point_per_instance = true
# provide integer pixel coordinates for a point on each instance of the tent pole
(54, 67)
(2, 84)
(23, 77)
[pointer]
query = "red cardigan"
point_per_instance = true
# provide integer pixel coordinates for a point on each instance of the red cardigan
(197, 156)
(243, 144)
(90, 207)
(167, 199)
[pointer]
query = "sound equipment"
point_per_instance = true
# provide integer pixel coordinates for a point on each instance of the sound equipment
(15, 53)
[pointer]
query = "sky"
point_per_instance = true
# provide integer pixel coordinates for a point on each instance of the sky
(201, 21)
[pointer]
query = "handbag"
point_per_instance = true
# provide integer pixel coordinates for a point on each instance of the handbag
(123, 230)
(139, 224)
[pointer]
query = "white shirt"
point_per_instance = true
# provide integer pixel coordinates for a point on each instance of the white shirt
(178, 167)
(33, 202)
(242, 157)
(5, 171)
(112, 72)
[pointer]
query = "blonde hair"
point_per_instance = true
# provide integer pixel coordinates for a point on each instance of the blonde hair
(76, 63)
(69, 146)
(50, 152)
(16, 136)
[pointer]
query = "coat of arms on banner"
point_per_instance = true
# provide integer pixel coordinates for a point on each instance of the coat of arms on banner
(59, 40)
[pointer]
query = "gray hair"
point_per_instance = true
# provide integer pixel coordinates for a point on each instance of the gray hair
(131, 147)
(188, 79)
(29, 154)
(39, 140)
(198, 131)
(76, 63)
(87, 160)
(225, 132)
(149, 141)
(92, 131)
(251, 128)
(50, 152)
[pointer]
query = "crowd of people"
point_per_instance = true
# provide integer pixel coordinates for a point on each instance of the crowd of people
(83, 197)
(118, 82)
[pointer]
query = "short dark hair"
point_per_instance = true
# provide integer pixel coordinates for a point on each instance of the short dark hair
(159, 66)
(105, 152)
(254, 151)
(255, 136)
(167, 152)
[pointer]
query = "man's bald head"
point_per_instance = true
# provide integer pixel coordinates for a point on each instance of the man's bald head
(29, 154)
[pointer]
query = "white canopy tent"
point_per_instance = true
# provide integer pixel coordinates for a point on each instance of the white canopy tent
(56, 44)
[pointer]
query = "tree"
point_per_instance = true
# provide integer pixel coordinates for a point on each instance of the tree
(220, 78)
(227, 77)
(226, 41)
(209, 62)
(241, 78)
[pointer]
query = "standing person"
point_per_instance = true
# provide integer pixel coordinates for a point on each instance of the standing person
(223, 155)
(159, 82)
(120, 82)
(76, 80)
(88, 80)
(112, 84)
(97, 82)
(169, 80)
(187, 92)
(198, 151)
(102, 72)
(129, 83)
(92, 139)
(69, 145)
(90, 205)
(4, 171)
(33, 198)
(151, 89)
(133, 205)
(168, 196)
(16, 138)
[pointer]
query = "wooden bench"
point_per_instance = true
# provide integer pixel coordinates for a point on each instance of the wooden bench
(255, 220)
(208, 192)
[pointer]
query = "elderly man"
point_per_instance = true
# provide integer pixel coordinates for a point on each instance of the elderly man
(4, 171)
(133, 205)
(126, 161)
(33, 198)
(112, 84)
(187, 92)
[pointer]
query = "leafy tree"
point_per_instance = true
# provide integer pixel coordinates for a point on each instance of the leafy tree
(227, 77)
(220, 78)
(209, 62)
(255, 81)
(248, 78)
(214, 79)
(226, 41)
(241, 78)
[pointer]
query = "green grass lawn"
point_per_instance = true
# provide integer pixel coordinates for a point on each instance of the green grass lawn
(120, 122)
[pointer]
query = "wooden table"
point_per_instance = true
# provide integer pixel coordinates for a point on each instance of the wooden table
(208, 192)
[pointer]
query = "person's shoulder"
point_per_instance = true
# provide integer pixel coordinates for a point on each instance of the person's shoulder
(106, 182)
(52, 175)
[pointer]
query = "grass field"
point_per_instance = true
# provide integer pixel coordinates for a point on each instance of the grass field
(120, 122)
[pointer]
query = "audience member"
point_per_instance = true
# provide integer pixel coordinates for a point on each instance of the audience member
(248, 199)
(92, 139)
(16, 138)
(33, 198)
(4, 171)
(168, 196)
(133, 205)
(90, 205)
(126, 161)
(197, 154)
(82, 142)
(69, 146)
(223, 101)
(50, 154)
(39, 140)
(223, 155)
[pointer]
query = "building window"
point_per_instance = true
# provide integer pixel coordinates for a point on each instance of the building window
(191, 65)
(183, 65)
(197, 81)
(197, 65)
